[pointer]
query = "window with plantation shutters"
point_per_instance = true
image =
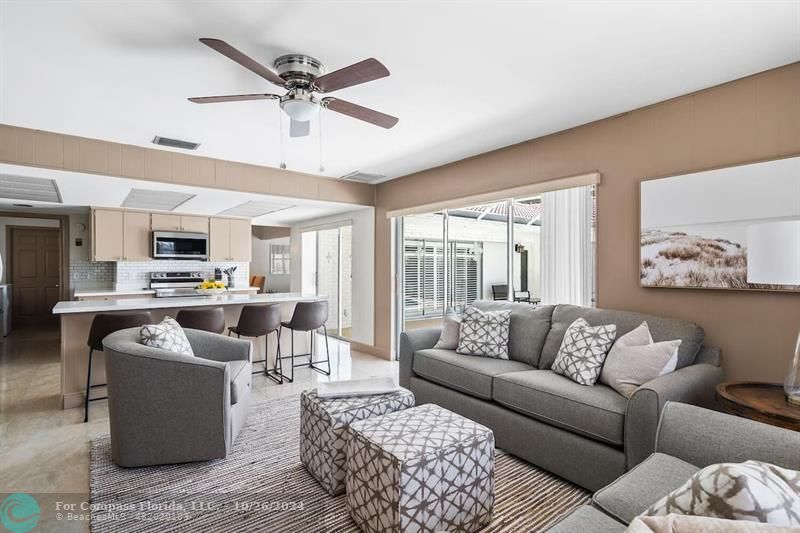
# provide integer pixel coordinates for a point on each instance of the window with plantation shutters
(423, 270)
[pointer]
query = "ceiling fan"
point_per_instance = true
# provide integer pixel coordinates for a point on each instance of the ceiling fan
(303, 76)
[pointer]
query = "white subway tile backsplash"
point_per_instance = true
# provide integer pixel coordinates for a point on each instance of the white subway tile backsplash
(136, 274)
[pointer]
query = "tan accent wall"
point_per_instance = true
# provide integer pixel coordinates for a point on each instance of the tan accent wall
(752, 119)
(22, 146)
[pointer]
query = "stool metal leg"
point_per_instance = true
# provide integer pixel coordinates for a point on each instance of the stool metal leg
(274, 374)
(88, 387)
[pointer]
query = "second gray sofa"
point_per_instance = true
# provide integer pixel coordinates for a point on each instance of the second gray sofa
(588, 435)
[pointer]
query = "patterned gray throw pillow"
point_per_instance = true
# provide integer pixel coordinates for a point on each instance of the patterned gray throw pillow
(166, 335)
(753, 491)
(583, 350)
(484, 334)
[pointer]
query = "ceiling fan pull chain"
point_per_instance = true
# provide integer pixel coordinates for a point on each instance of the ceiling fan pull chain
(283, 150)
(319, 125)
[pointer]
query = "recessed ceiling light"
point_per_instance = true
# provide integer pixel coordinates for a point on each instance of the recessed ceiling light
(254, 209)
(156, 200)
(27, 188)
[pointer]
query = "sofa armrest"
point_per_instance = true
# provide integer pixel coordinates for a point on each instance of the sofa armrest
(693, 384)
(410, 342)
(166, 407)
(218, 347)
(704, 437)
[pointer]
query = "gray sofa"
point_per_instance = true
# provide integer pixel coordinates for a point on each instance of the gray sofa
(167, 408)
(588, 435)
(689, 438)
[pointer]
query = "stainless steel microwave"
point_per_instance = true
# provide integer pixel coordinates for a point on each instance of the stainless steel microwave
(180, 245)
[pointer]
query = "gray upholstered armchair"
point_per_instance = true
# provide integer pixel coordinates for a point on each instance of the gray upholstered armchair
(169, 408)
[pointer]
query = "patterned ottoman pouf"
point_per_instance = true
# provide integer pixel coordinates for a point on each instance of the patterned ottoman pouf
(323, 430)
(422, 469)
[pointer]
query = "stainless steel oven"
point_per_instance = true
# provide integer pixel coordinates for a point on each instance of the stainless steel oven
(180, 245)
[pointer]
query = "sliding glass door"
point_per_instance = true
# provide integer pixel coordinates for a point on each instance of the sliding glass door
(532, 250)
(327, 271)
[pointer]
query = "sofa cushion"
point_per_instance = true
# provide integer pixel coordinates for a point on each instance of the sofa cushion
(662, 329)
(465, 373)
(596, 412)
(240, 379)
(648, 482)
(587, 519)
(529, 328)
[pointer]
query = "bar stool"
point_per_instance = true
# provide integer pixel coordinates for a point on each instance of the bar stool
(210, 319)
(309, 316)
(102, 326)
(258, 320)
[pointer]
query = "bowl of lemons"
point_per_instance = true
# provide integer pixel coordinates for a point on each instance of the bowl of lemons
(211, 287)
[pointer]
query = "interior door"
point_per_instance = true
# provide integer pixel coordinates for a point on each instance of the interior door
(35, 274)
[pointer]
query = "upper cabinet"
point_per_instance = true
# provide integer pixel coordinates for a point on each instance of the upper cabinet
(125, 235)
(194, 224)
(229, 239)
(107, 227)
(164, 222)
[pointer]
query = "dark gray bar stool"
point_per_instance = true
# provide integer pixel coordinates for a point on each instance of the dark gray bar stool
(258, 320)
(102, 326)
(309, 316)
(211, 319)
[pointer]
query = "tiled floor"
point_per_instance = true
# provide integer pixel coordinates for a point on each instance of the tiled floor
(45, 449)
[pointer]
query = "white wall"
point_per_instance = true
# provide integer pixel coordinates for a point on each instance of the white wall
(363, 222)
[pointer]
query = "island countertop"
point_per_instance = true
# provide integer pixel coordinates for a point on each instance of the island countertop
(135, 304)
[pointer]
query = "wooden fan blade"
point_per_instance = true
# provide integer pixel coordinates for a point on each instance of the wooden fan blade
(360, 112)
(232, 98)
(247, 62)
(299, 129)
(361, 72)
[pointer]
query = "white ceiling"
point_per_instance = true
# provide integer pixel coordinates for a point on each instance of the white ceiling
(467, 76)
(78, 191)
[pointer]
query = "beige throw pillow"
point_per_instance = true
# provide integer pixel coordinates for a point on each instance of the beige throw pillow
(635, 359)
(752, 491)
(451, 330)
(699, 524)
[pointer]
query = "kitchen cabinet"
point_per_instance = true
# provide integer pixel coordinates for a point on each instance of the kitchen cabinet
(164, 222)
(229, 239)
(219, 239)
(241, 241)
(194, 224)
(136, 236)
(107, 229)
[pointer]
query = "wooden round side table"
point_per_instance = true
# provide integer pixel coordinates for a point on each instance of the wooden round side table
(763, 402)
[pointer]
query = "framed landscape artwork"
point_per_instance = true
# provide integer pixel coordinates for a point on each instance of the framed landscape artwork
(731, 228)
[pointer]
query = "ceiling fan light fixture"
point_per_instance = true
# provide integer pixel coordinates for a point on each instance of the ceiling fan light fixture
(299, 109)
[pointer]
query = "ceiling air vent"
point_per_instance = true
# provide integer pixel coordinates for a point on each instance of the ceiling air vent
(363, 177)
(31, 189)
(155, 200)
(254, 209)
(175, 143)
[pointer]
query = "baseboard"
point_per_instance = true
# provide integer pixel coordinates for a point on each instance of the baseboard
(370, 350)
(71, 400)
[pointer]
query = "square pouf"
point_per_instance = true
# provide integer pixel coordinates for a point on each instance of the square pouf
(422, 469)
(323, 430)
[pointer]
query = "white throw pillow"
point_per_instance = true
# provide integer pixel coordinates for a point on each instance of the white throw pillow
(635, 359)
(451, 331)
(583, 350)
(166, 335)
(752, 491)
(484, 333)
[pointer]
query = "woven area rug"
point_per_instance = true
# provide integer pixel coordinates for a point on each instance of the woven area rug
(261, 486)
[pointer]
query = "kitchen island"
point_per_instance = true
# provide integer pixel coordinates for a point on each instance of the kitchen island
(76, 319)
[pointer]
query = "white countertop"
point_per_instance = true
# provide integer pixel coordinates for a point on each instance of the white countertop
(133, 292)
(135, 304)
